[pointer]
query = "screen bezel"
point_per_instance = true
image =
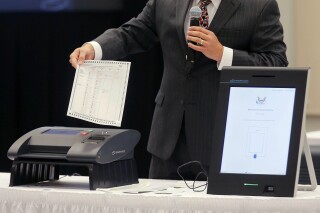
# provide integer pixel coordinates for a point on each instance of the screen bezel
(266, 77)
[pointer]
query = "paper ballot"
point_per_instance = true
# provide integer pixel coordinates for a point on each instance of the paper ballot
(99, 92)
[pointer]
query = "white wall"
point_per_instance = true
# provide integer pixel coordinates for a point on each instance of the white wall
(307, 43)
(301, 22)
(287, 17)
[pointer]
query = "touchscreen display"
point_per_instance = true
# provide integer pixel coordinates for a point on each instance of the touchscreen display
(62, 132)
(258, 130)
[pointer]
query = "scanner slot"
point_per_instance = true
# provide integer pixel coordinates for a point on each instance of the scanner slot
(49, 149)
(47, 156)
(97, 138)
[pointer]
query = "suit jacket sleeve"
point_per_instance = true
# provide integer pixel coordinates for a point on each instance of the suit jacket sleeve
(137, 35)
(266, 47)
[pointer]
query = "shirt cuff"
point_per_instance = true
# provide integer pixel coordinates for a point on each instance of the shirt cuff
(97, 50)
(227, 57)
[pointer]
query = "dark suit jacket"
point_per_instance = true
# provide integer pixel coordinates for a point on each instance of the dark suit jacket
(250, 27)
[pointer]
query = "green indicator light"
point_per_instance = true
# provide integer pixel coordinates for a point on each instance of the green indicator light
(251, 184)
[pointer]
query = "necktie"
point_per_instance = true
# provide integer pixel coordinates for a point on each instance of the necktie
(204, 19)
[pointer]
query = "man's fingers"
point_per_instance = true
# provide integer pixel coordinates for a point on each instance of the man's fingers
(196, 40)
(195, 33)
(86, 52)
(196, 47)
(193, 39)
(199, 29)
(199, 35)
(73, 62)
(82, 56)
(74, 58)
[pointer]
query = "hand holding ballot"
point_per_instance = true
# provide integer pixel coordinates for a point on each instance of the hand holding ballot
(85, 52)
(99, 92)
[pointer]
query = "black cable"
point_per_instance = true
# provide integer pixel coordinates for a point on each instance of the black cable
(193, 187)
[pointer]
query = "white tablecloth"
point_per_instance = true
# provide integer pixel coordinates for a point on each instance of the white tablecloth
(72, 194)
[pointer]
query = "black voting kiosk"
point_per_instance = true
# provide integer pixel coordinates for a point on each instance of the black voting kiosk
(260, 132)
(107, 153)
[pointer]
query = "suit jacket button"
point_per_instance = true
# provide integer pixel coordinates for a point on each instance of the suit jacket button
(182, 102)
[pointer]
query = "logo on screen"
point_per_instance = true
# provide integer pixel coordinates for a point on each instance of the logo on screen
(260, 100)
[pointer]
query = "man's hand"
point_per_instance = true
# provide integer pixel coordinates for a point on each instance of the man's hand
(207, 41)
(86, 52)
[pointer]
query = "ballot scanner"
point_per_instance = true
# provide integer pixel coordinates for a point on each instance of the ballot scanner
(107, 153)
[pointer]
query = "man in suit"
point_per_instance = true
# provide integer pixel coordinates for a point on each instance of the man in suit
(233, 32)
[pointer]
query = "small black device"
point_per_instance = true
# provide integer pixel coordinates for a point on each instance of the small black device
(195, 14)
(259, 125)
(107, 153)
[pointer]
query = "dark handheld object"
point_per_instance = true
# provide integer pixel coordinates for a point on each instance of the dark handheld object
(195, 14)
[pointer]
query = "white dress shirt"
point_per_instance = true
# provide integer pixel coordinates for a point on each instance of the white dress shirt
(212, 8)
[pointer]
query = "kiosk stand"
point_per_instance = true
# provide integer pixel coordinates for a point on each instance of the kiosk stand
(309, 162)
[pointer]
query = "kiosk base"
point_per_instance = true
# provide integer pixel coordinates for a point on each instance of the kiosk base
(118, 173)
